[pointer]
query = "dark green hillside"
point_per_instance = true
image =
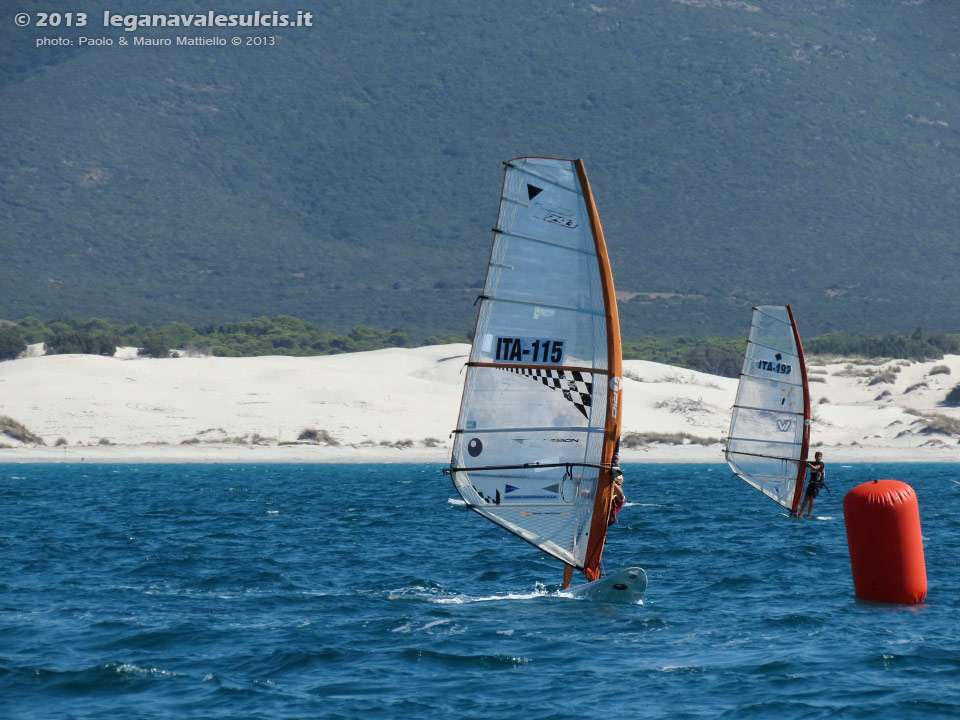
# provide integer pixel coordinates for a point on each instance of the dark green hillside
(792, 151)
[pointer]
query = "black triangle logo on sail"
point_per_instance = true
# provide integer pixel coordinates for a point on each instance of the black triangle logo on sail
(533, 191)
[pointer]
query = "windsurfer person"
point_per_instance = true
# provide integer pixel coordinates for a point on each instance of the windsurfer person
(619, 498)
(817, 475)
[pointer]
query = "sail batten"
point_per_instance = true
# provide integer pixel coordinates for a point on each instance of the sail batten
(534, 440)
(525, 366)
(566, 308)
(773, 410)
(529, 428)
(765, 443)
(769, 347)
(542, 241)
(769, 434)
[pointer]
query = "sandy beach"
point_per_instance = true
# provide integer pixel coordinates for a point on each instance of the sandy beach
(399, 405)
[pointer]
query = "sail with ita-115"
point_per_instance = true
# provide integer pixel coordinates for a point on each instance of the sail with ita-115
(535, 443)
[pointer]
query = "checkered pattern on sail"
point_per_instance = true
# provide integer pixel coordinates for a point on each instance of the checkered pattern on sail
(572, 384)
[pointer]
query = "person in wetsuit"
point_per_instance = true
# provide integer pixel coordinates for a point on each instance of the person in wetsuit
(814, 484)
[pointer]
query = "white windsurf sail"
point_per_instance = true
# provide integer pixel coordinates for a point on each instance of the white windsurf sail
(540, 416)
(770, 426)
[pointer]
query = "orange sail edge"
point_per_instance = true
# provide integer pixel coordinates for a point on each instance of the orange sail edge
(805, 442)
(604, 494)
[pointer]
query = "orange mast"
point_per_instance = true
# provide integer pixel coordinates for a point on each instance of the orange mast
(614, 409)
(805, 443)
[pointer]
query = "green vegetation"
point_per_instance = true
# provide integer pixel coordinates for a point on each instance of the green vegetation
(13, 429)
(95, 342)
(318, 436)
(917, 346)
(635, 440)
(953, 397)
(348, 175)
(936, 423)
(12, 342)
(281, 335)
(716, 356)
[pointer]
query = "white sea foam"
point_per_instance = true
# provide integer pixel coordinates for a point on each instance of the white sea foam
(465, 599)
(129, 668)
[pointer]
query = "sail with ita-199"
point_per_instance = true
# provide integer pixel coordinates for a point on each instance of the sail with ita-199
(535, 444)
(770, 424)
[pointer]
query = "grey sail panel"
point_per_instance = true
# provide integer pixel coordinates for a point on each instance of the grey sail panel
(532, 419)
(769, 425)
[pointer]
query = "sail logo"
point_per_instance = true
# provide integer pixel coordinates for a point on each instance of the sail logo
(529, 350)
(780, 368)
(558, 219)
(531, 493)
(615, 384)
(784, 425)
(557, 215)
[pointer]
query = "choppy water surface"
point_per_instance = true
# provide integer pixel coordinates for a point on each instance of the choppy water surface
(345, 591)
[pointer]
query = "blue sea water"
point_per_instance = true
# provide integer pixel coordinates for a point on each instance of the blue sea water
(350, 591)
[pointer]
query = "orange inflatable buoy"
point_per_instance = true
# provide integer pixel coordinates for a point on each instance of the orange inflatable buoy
(886, 548)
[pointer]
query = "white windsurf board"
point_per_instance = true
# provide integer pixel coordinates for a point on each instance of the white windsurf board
(624, 587)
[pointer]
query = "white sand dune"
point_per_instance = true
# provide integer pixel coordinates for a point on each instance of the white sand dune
(399, 405)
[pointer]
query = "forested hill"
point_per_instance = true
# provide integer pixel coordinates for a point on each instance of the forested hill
(791, 151)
